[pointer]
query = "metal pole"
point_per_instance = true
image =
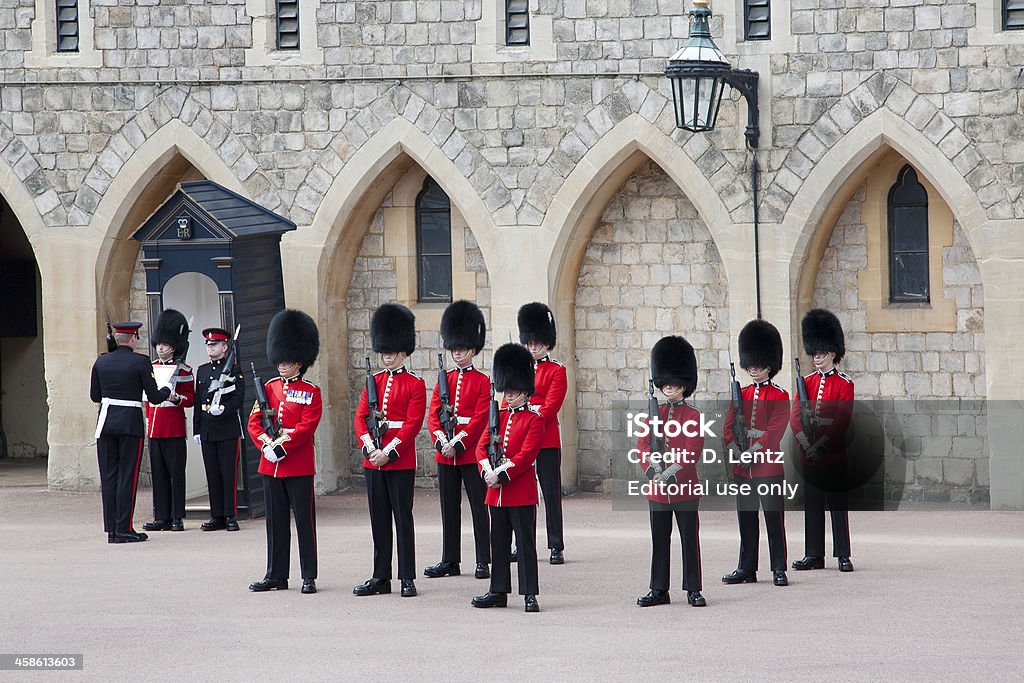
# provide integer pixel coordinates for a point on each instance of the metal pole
(754, 173)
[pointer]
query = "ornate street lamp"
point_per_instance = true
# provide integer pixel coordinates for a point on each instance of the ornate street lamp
(698, 73)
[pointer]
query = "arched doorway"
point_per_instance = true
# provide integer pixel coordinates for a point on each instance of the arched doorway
(23, 404)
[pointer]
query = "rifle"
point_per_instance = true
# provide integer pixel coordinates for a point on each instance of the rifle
(111, 342)
(374, 421)
(653, 410)
(806, 413)
(739, 425)
(225, 383)
(179, 356)
(446, 413)
(495, 452)
(268, 420)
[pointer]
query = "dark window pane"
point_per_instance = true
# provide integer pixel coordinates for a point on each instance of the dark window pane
(287, 24)
(910, 277)
(757, 19)
(434, 243)
(67, 25)
(517, 22)
(911, 233)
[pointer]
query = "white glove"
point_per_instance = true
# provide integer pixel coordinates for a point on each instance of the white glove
(198, 440)
(269, 454)
(216, 410)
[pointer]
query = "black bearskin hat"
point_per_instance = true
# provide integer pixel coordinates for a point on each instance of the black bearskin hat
(171, 328)
(393, 329)
(462, 325)
(293, 336)
(512, 369)
(822, 332)
(673, 361)
(537, 323)
(761, 346)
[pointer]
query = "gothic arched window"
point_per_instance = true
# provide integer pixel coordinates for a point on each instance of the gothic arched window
(433, 244)
(908, 239)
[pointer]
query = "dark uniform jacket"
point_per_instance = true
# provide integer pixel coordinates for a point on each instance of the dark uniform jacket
(225, 426)
(124, 375)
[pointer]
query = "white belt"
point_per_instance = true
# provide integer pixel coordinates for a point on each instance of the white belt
(107, 402)
(392, 424)
(463, 420)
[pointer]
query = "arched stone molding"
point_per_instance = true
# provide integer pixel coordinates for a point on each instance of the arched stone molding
(22, 167)
(331, 243)
(575, 210)
(827, 188)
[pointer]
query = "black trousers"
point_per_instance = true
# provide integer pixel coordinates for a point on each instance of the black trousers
(549, 474)
(523, 521)
(450, 479)
(167, 463)
(661, 544)
(220, 458)
(774, 522)
(295, 495)
(815, 500)
(119, 459)
(389, 494)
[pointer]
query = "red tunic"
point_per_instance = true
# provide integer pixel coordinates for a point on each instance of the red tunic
(167, 420)
(685, 467)
(470, 392)
(403, 400)
(298, 407)
(521, 431)
(550, 384)
(831, 398)
(766, 408)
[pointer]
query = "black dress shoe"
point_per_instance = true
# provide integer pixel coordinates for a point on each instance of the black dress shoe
(157, 525)
(482, 571)
(230, 524)
(514, 557)
(531, 604)
(177, 525)
(489, 599)
(740, 576)
(556, 557)
(111, 537)
(373, 587)
(129, 537)
(215, 524)
(655, 597)
(696, 599)
(780, 579)
(442, 569)
(408, 588)
(845, 565)
(269, 585)
(809, 562)
(309, 585)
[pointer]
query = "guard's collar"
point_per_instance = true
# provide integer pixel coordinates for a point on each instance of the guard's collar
(545, 359)
(465, 369)
(399, 371)
(761, 385)
(829, 373)
(520, 408)
(295, 378)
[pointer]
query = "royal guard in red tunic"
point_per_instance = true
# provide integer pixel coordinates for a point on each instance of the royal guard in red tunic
(537, 332)
(765, 410)
(823, 461)
(119, 379)
(669, 463)
(507, 456)
(216, 427)
(282, 424)
(166, 422)
(456, 422)
(389, 449)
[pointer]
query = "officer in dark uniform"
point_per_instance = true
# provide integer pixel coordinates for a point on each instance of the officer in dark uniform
(119, 379)
(216, 428)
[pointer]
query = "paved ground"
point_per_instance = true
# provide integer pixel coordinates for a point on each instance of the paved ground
(936, 595)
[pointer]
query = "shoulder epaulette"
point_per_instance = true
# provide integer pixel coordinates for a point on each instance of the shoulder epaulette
(414, 374)
(844, 376)
(274, 379)
(310, 383)
(534, 409)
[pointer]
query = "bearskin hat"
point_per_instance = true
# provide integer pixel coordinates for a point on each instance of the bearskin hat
(293, 336)
(537, 323)
(673, 361)
(463, 326)
(171, 328)
(512, 369)
(761, 346)
(393, 329)
(822, 331)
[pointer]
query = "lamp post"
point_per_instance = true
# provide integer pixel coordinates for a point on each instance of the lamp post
(698, 74)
